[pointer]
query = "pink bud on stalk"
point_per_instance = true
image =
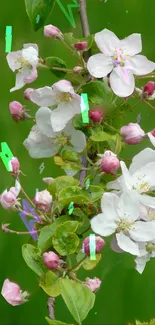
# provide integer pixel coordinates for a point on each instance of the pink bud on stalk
(149, 88)
(51, 260)
(17, 111)
(13, 294)
(93, 284)
(14, 162)
(27, 93)
(132, 133)
(43, 200)
(98, 241)
(77, 69)
(81, 46)
(8, 198)
(52, 32)
(109, 162)
(96, 115)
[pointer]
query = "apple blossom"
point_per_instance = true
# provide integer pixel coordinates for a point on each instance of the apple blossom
(51, 260)
(132, 133)
(15, 165)
(13, 294)
(25, 62)
(120, 59)
(43, 201)
(8, 198)
(109, 162)
(99, 244)
(93, 284)
(52, 32)
(17, 111)
(147, 251)
(63, 95)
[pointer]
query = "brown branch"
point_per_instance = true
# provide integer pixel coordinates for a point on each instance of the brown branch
(85, 25)
(51, 306)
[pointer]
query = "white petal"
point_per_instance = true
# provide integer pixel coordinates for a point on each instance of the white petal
(127, 244)
(64, 113)
(141, 263)
(101, 226)
(63, 86)
(12, 59)
(109, 204)
(127, 179)
(35, 46)
(99, 65)
(143, 231)
(128, 206)
(114, 246)
(144, 177)
(140, 65)
(152, 138)
(115, 185)
(78, 140)
(33, 75)
(20, 76)
(43, 120)
(132, 44)
(142, 158)
(38, 145)
(107, 42)
(122, 81)
(43, 96)
(17, 187)
(30, 54)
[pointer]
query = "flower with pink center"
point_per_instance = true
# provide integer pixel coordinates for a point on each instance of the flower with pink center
(96, 115)
(121, 60)
(43, 200)
(51, 260)
(52, 32)
(81, 46)
(8, 198)
(13, 294)
(109, 162)
(25, 62)
(99, 244)
(132, 133)
(93, 284)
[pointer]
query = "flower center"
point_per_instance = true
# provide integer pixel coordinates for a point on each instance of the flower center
(62, 138)
(123, 225)
(150, 248)
(119, 58)
(23, 62)
(65, 97)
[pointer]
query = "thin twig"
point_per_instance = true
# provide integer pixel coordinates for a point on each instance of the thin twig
(51, 306)
(85, 24)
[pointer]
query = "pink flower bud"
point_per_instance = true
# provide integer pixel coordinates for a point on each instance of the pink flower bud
(132, 133)
(16, 110)
(96, 115)
(51, 260)
(77, 69)
(109, 162)
(27, 93)
(93, 284)
(149, 88)
(14, 162)
(52, 32)
(13, 294)
(99, 244)
(8, 198)
(43, 200)
(81, 46)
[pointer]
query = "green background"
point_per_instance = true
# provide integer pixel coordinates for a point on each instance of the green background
(125, 295)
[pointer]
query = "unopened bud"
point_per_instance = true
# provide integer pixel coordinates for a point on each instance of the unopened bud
(17, 111)
(51, 260)
(81, 46)
(109, 162)
(52, 32)
(14, 162)
(132, 133)
(149, 88)
(96, 115)
(93, 284)
(99, 244)
(77, 69)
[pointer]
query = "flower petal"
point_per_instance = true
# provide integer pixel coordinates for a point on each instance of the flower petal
(114, 246)
(122, 81)
(31, 77)
(141, 263)
(43, 96)
(152, 138)
(107, 42)
(12, 59)
(63, 86)
(43, 121)
(132, 44)
(99, 65)
(30, 55)
(142, 158)
(101, 226)
(143, 231)
(127, 181)
(140, 65)
(109, 203)
(78, 140)
(127, 244)
(38, 145)
(144, 178)
(128, 206)
(20, 76)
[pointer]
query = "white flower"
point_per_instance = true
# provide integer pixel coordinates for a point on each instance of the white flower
(140, 177)
(44, 142)
(63, 95)
(119, 215)
(25, 62)
(151, 137)
(120, 60)
(147, 251)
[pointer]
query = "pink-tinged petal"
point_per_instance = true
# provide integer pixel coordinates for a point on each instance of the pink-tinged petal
(78, 140)
(122, 82)
(20, 76)
(12, 59)
(43, 120)
(152, 138)
(140, 65)
(43, 96)
(40, 146)
(99, 65)
(143, 231)
(102, 228)
(132, 44)
(32, 76)
(126, 244)
(11, 293)
(107, 42)
(63, 86)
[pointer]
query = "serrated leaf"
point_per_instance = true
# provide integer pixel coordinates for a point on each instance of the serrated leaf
(78, 298)
(61, 182)
(33, 259)
(38, 11)
(49, 282)
(64, 240)
(52, 62)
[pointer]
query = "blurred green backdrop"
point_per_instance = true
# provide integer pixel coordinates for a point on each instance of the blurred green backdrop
(125, 295)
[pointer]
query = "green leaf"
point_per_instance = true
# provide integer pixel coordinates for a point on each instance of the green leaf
(98, 92)
(38, 11)
(102, 136)
(95, 192)
(71, 156)
(78, 298)
(55, 322)
(58, 161)
(65, 241)
(46, 233)
(118, 144)
(52, 62)
(61, 182)
(82, 218)
(49, 282)
(71, 166)
(89, 264)
(73, 194)
(33, 259)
